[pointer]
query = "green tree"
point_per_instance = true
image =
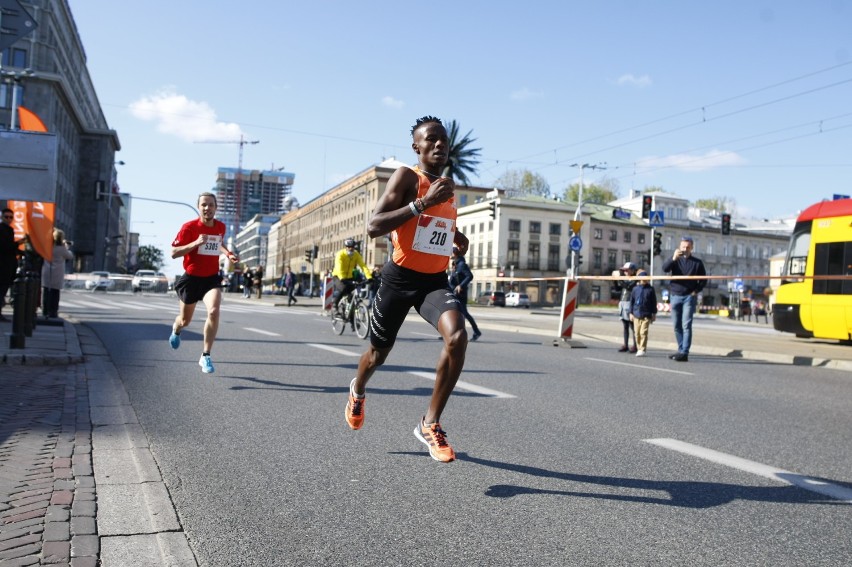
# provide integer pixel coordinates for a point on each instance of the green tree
(601, 193)
(721, 204)
(524, 182)
(149, 258)
(462, 159)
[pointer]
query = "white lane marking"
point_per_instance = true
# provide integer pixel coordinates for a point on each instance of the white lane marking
(753, 467)
(429, 375)
(640, 366)
(334, 349)
(430, 335)
(95, 305)
(151, 305)
(135, 306)
(261, 331)
(466, 386)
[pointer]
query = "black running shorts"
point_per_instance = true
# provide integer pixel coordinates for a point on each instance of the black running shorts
(400, 290)
(192, 289)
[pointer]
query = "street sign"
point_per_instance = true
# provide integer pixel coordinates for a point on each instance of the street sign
(738, 283)
(575, 244)
(576, 225)
(656, 218)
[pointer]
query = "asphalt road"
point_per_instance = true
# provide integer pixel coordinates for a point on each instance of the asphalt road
(560, 458)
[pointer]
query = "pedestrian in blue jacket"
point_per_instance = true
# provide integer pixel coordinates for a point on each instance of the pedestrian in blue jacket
(643, 310)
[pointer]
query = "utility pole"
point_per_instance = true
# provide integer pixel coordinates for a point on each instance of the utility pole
(578, 212)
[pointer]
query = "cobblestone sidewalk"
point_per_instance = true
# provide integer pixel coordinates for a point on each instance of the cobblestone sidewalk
(47, 487)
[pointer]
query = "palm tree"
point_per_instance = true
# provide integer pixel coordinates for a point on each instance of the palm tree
(462, 159)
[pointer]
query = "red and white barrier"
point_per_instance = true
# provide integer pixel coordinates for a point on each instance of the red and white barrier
(663, 307)
(569, 305)
(327, 291)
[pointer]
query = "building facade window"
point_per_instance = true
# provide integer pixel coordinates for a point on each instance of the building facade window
(553, 257)
(611, 259)
(613, 236)
(535, 227)
(534, 256)
(597, 258)
(555, 229)
(514, 225)
(628, 236)
(598, 235)
(640, 238)
(513, 253)
(626, 256)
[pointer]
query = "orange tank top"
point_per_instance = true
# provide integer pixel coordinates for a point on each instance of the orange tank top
(425, 242)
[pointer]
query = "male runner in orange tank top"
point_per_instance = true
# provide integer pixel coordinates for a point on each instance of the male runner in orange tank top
(419, 209)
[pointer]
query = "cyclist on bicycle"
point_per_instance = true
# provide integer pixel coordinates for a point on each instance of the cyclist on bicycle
(345, 263)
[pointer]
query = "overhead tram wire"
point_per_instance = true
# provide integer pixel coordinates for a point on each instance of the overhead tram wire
(685, 112)
(701, 122)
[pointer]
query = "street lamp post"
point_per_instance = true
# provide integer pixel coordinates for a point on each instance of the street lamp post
(579, 209)
(112, 177)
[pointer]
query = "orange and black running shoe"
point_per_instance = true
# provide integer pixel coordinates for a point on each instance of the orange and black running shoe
(355, 410)
(436, 439)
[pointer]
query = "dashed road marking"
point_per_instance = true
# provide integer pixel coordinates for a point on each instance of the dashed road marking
(645, 366)
(261, 331)
(467, 386)
(334, 349)
(780, 475)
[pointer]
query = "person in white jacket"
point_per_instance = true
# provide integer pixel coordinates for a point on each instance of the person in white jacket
(53, 274)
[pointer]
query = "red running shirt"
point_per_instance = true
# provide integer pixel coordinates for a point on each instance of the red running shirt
(203, 261)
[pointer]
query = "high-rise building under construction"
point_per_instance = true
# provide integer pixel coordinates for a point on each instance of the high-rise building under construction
(251, 192)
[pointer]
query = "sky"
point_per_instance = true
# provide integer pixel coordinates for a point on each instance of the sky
(749, 100)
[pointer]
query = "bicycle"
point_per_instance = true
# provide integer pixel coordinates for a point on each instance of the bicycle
(353, 310)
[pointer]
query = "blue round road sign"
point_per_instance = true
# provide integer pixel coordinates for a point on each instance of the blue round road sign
(575, 244)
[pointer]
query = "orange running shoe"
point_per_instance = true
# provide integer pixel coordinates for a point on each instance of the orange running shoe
(436, 439)
(355, 410)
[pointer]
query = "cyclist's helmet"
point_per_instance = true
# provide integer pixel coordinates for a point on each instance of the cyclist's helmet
(349, 243)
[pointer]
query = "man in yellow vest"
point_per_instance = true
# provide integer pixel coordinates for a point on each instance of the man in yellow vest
(345, 263)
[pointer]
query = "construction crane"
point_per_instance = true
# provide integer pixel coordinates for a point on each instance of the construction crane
(238, 180)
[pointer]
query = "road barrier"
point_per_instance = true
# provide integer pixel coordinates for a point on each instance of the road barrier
(569, 305)
(327, 294)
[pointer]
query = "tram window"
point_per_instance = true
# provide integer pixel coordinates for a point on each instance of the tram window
(798, 254)
(831, 259)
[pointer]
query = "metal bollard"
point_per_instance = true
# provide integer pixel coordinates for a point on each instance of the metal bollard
(30, 301)
(17, 337)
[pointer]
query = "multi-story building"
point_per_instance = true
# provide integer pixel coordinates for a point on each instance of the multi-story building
(242, 195)
(47, 70)
(252, 241)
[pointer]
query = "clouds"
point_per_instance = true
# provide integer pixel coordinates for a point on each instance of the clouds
(692, 162)
(391, 102)
(525, 93)
(631, 80)
(189, 120)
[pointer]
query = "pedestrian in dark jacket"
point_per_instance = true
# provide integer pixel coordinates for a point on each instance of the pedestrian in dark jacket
(643, 310)
(460, 278)
(628, 269)
(684, 294)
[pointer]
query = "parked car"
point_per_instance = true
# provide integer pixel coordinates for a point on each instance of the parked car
(497, 298)
(99, 281)
(149, 280)
(515, 299)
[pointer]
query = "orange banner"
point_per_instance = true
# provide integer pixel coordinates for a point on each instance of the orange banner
(30, 120)
(35, 219)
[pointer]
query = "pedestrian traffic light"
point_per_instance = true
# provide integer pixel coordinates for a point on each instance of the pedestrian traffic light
(658, 243)
(308, 256)
(647, 204)
(493, 206)
(726, 224)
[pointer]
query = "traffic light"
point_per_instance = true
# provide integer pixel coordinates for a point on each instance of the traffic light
(316, 252)
(658, 243)
(308, 255)
(493, 206)
(647, 204)
(579, 260)
(726, 224)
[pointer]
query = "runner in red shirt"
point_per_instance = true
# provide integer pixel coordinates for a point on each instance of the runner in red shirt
(200, 242)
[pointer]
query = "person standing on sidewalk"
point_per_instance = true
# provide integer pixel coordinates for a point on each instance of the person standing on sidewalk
(199, 242)
(53, 275)
(460, 278)
(684, 294)
(643, 310)
(628, 269)
(9, 253)
(258, 281)
(418, 208)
